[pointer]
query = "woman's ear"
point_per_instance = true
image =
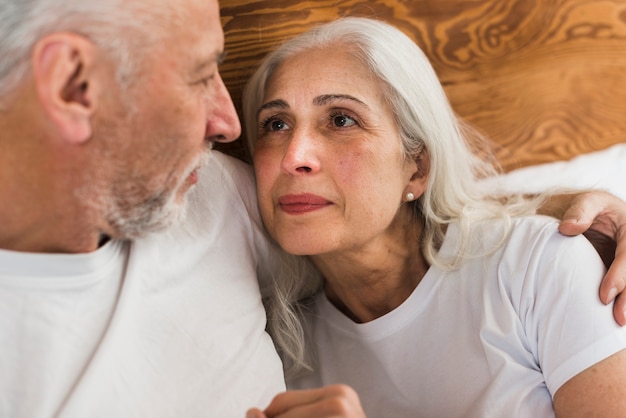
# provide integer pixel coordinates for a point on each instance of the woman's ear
(66, 84)
(420, 174)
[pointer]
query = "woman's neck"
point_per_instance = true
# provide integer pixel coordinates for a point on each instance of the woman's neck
(373, 281)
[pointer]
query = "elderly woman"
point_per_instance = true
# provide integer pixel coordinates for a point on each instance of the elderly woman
(436, 300)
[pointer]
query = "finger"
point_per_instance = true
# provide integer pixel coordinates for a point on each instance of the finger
(580, 215)
(334, 407)
(600, 211)
(619, 309)
(573, 226)
(291, 399)
(328, 401)
(614, 282)
(255, 413)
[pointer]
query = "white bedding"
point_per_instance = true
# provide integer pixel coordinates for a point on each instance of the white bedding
(604, 170)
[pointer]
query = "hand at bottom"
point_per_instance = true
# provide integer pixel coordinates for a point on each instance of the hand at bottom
(333, 401)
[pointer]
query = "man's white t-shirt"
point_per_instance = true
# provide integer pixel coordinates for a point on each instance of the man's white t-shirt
(171, 325)
(495, 338)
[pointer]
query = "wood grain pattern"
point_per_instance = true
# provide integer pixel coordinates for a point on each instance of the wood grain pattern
(544, 79)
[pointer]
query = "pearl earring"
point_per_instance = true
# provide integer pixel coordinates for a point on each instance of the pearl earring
(409, 197)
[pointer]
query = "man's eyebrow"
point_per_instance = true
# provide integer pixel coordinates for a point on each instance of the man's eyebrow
(329, 98)
(218, 58)
(273, 104)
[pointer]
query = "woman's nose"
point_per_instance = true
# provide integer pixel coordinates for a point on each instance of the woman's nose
(302, 153)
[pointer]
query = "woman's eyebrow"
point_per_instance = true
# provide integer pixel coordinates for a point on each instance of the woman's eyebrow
(279, 103)
(329, 98)
(322, 100)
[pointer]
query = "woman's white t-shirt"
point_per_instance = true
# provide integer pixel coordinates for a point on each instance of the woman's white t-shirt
(495, 338)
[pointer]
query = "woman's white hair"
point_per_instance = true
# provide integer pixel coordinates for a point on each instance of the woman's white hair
(427, 124)
(122, 28)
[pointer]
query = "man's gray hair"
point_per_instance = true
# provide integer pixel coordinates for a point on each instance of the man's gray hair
(108, 23)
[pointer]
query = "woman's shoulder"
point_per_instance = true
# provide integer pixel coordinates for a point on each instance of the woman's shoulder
(536, 254)
(541, 232)
(493, 236)
(522, 245)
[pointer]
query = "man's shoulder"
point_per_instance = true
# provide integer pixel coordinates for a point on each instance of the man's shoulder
(225, 177)
(234, 167)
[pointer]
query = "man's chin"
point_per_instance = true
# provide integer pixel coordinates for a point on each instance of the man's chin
(151, 218)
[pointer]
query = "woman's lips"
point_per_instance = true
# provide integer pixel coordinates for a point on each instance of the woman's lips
(295, 204)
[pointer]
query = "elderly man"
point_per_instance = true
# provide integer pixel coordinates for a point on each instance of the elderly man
(109, 308)
(108, 110)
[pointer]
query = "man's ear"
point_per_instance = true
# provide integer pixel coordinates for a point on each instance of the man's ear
(66, 83)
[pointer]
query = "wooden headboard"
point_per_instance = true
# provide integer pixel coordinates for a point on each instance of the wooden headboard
(544, 79)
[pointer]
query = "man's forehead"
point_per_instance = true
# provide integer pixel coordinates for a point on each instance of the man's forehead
(196, 33)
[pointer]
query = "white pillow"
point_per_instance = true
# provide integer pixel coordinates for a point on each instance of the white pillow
(604, 170)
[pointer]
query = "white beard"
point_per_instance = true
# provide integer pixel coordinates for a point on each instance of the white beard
(155, 213)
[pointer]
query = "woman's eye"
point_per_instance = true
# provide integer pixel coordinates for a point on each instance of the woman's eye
(277, 125)
(272, 124)
(343, 121)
